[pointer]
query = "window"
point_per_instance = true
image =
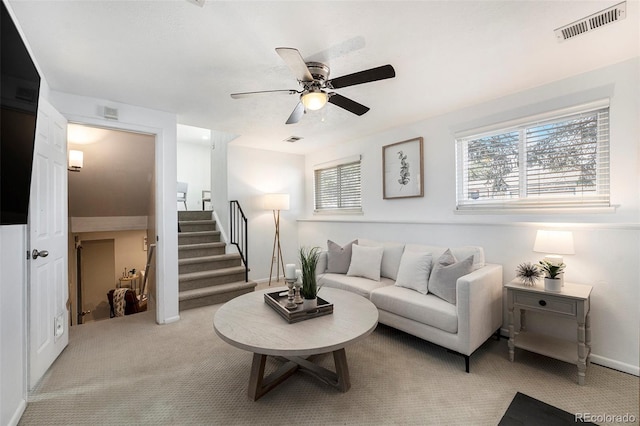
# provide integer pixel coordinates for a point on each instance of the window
(337, 186)
(560, 159)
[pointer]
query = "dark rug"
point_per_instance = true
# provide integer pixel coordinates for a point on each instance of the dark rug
(525, 410)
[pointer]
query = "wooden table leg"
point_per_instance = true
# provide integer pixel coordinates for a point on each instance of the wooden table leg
(260, 385)
(342, 370)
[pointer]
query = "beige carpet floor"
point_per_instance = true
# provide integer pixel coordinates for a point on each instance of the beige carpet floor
(130, 371)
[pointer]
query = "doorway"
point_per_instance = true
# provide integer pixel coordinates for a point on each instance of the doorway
(97, 275)
(112, 197)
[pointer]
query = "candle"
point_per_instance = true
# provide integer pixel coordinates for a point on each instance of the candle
(290, 271)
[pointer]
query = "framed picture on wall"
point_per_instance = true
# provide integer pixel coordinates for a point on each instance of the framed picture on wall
(403, 169)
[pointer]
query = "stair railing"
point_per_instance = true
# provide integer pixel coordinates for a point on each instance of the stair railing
(238, 233)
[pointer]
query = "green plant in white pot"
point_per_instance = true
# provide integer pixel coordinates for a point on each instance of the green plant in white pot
(309, 290)
(552, 274)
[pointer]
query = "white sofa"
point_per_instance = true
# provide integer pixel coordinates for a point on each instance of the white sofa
(472, 314)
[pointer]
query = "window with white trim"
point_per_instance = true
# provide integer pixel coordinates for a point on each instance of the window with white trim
(337, 187)
(555, 160)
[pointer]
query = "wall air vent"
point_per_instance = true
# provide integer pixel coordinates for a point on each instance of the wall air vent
(293, 139)
(591, 22)
(110, 113)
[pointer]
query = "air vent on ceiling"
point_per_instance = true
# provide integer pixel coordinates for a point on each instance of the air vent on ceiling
(591, 22)
(197, 2)
(293, 139)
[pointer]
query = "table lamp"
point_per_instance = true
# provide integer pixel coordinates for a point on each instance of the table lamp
(276, 202)
(554, 244)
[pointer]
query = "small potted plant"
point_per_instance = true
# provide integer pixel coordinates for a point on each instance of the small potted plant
(309, 290)
(552, 271)
(529, 273)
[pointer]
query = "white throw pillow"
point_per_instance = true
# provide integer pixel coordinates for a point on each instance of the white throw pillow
(390, 256)
(414, 271)
(365, 262)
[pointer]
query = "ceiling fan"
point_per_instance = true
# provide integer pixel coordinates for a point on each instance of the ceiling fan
(316, 86)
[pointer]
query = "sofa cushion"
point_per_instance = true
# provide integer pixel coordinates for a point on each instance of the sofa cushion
(391, 256)
(445, 274)
(427, 309)
(365, 262)
(339, 257)
(357, 285)
(414, 271)
(459, 252)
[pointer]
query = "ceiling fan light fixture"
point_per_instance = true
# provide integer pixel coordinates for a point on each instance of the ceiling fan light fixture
(314, 100)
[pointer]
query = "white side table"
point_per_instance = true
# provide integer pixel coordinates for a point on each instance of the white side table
(572, 302)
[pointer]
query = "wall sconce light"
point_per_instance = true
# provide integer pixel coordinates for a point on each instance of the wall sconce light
(75, 160)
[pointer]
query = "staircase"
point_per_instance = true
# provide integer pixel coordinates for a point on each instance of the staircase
(206, 274)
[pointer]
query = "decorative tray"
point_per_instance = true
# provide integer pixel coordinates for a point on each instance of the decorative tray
(278, 303)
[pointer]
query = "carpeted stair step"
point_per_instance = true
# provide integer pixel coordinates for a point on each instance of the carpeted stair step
(186, 251)
(208, 263)
(198, 237)
(213, 295)
(197, 225)
(216, 277)
(194, 215)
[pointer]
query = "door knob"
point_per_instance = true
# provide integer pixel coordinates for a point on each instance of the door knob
(35, 253)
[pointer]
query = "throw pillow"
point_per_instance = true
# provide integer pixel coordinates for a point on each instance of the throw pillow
(339, 257)
(390, 256)
(414, 271)
(365, 262)
(445, 274)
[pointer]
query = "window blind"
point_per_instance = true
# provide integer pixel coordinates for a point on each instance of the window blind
(338, 187)
(561, 161)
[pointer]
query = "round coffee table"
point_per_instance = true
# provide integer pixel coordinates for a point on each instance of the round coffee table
(248, 323)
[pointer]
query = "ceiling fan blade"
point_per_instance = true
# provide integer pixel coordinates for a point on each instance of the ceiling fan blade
(264, 92)
(297, 114)
(295, 62)
(348, 104)
(366, 76)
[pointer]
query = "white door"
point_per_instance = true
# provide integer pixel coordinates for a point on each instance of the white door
(48, 291)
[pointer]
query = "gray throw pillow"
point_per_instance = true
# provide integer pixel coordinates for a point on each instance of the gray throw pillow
(445, 273)
(339, 257)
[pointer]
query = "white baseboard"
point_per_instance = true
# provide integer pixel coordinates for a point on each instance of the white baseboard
(600, 360)
(13, 421)
(616, 365)
(171, 319)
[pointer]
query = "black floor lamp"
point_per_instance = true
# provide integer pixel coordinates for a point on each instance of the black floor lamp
(275, 203)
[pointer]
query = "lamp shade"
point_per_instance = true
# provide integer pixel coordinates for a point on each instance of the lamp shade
(276, 202)
(75, 159)
(554, 242)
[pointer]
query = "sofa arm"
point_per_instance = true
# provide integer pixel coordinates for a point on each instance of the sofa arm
(479, 305)
(321, 266)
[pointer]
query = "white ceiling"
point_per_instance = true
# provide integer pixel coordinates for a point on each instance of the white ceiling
(175, 56)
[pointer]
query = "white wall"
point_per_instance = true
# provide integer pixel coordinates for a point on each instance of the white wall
(253, 173)
(194, 167)
(607, 243)
(87, 110)
(12, 323)
(13, 301)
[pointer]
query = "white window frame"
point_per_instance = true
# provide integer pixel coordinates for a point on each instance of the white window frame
(337, 166)
(465, 202)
